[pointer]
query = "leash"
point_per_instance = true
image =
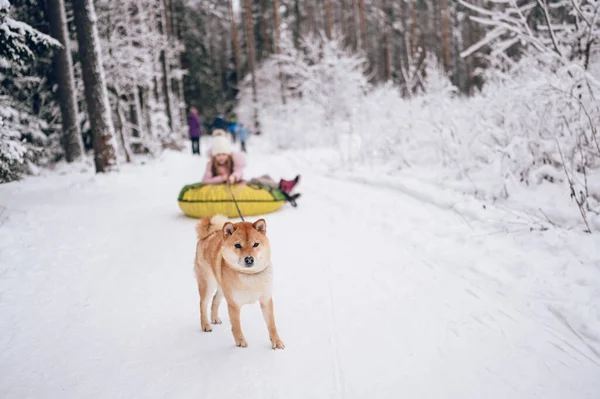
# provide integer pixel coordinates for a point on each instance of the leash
(235, 202)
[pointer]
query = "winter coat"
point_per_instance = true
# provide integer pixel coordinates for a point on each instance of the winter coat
(241, 131)
(232, 127)
(195, 125)
(219, 123)
(239, 162)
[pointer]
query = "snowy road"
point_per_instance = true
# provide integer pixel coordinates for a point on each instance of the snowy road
(377, 295)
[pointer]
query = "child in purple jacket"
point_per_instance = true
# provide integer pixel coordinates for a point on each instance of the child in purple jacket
(194, 124)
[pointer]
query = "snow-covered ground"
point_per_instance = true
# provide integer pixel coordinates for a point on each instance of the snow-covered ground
(382, 290)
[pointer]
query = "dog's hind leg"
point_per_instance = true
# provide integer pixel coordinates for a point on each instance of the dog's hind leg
(214, 310)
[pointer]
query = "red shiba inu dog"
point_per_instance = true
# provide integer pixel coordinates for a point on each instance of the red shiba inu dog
(234, 261)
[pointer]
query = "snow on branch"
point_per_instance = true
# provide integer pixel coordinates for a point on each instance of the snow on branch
(544, 7)
(559, 31)
(20, 41)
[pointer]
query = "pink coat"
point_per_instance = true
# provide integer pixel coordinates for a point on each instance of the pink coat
(239, 163)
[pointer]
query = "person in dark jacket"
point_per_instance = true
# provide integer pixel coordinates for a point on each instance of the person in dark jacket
(219, 123)
(195, 126)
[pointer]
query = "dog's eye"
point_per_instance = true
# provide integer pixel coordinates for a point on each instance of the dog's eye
(238, 246)
(255, 245)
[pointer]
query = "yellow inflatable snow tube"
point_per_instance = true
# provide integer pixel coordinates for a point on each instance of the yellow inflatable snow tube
(199, 200)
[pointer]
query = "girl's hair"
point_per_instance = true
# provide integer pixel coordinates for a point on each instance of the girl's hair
(228, 164)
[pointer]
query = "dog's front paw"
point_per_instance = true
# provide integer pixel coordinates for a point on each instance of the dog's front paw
(206, 327)
(277, 343)
(241, 342)
(216, 320)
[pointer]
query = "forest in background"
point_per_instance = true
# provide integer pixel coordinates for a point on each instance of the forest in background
(161, 56)
(493, 92)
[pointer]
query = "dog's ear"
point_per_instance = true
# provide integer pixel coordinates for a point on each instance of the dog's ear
(228, 229)
(260, 226)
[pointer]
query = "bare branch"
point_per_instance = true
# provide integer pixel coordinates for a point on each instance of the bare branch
(544, 6)
(576, 7)
(523, 19)
(589, 39)
(547, 218)
(579, 202)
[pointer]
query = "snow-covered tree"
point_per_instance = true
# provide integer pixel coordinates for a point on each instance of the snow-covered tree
(553, 30)
(323, 84)
(19, 40)
(63, 68)
(131, 45)
(559, 38)
(21, 132)
(96, 96)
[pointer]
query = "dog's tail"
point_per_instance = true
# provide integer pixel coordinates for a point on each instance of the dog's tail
(207, 225)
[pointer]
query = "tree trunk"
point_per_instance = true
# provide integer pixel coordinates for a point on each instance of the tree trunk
(120, 127)
(387, 28)
(63, 65)
(251, 61)
(343, 22)
(276, 33)
(298, 23)
(413, 34)
(265, 48)
(435, 9)
(170, 13)
(166, 87)
(96, 96)
(137, 115)
(363, 24)
(166, 17)
(223, 61)
(178, 81)
(445, 35)
(236, 44)
(310, 16)
(355, 34)
(145, 104)
(178, 10)
(182, 112)
(163, 28)
(387, 67)
(328, 19)
(276, 41)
